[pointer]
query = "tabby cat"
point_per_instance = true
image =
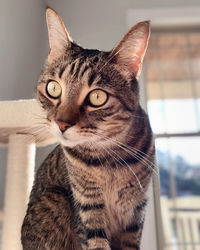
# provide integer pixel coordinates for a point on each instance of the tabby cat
(90, 191)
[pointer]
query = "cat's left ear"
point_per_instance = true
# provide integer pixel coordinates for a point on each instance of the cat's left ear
(59, 39)
(130, 51)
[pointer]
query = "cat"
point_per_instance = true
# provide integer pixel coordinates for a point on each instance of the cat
(90, 192)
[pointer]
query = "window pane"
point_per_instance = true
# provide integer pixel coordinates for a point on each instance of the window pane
(172, 40)
(151, 66)
(195, 62)
(172, 74)
(194, 39)
(172, 116)
(197, 88)
(154, 90)
(179, 166)
(198, 109)
(177, 89)
(156, 115)
(174, 64)
(180, 116)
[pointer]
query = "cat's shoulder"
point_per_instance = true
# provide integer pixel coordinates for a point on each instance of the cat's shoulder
(55, 157)
(53, 169)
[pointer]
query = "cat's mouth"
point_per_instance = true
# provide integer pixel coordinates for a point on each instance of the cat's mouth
(73, 136)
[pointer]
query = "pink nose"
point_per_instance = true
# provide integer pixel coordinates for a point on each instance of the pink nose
(63, 125)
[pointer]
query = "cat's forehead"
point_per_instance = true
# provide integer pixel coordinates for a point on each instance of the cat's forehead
(78, 59)
(78, 67)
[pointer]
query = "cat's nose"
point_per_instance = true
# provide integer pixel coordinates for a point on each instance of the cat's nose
(63, 125)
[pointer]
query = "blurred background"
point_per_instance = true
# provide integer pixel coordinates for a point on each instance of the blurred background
(170, 86)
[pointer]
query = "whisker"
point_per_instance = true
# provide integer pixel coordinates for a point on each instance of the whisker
(123, 145)
(128, 167)
(121, 159)
(138, 157)
(97, 155)
(40, 118)
(39, 115)
(37, 131)
(130, 147)
(137, 116)
(107, 151)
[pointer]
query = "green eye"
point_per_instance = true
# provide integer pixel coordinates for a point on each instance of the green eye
(54, 89)
(98, 97)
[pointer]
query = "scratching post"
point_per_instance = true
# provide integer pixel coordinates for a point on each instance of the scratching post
(19, 179)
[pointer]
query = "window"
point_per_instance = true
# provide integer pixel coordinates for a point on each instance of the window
(172, 76)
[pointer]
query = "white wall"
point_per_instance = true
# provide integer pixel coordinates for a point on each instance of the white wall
(22, 27)
(22, 53)
(101, 23)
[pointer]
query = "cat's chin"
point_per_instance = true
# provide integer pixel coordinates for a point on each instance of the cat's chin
(68, 143)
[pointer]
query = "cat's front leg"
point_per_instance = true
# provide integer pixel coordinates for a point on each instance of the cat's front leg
(131, 237)
(90, 208)
(94, 225)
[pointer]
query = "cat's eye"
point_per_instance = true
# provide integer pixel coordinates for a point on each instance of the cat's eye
(54, 89)
(98, 97)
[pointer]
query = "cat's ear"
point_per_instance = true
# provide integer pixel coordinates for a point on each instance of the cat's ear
(59, 39)
(130, 51)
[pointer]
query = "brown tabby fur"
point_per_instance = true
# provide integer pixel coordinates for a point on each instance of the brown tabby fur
(90, 191)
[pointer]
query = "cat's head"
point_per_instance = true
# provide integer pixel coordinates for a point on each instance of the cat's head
(91, 95)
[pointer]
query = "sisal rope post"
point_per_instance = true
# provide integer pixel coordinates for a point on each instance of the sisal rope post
(19, 179)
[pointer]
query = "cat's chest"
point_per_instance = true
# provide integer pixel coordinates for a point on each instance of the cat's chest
(120, 197)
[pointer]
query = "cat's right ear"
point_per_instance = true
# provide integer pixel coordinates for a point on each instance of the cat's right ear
(59, 39)
(130, 51)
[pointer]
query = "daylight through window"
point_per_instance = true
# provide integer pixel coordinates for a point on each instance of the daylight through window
(172, 76)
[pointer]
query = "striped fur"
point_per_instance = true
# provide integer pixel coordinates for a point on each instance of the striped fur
(90, 191)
